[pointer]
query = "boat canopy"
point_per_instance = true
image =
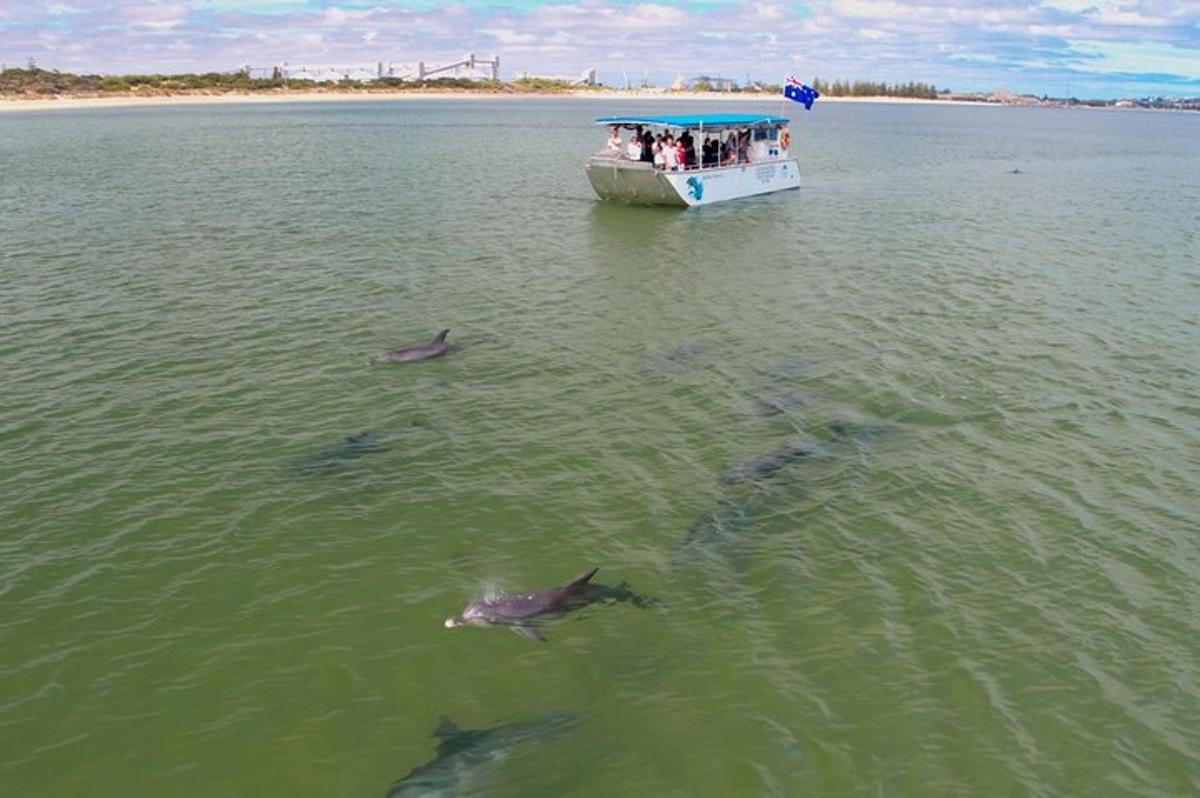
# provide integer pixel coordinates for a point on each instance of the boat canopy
(707, 121)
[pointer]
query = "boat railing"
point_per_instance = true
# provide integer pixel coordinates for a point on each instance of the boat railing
(621, 157)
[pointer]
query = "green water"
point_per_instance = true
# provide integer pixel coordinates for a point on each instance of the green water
(990, 584)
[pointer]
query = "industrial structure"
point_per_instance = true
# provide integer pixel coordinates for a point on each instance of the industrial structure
(585, 78)
(705, 83)
(471, 67)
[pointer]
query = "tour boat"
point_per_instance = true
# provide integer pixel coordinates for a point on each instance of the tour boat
(752, 158)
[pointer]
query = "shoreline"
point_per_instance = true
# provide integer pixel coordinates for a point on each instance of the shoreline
(127, 101)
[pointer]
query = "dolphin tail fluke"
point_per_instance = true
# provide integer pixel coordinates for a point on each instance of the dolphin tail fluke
(441, 337)
(582, 579)
(445, 727)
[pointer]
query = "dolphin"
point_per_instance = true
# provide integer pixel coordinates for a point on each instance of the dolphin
(523, 611)
(685, 354)
(349, 448)
(767, 465)
(718, 527)
(463, 755)
(859, 432)
(437, 346)
(782, 404)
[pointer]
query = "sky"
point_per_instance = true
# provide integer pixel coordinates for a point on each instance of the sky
(1082, 48)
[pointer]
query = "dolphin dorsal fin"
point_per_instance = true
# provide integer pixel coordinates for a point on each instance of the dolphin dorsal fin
(445, 727)
(441, 337)
(582, 579)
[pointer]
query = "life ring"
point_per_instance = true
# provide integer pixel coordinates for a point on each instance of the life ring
(785, 139)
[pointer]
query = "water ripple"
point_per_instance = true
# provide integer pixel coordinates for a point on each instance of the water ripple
(986, 582)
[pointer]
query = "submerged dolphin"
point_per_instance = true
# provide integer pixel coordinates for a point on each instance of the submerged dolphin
(464, 755)
(782, 404)
(522, 611)
(349, 448)
(859, 432)
(768, 465)
(719, 526)
(437, 346)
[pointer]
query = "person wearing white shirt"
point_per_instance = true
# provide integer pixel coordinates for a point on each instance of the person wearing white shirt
(670, 154)
(614, 141)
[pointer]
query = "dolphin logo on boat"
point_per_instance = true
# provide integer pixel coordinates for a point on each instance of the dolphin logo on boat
(465, 755)
(695, 188)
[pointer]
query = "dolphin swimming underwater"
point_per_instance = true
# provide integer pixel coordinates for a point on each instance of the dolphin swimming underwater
(840, 429)
(522, 611)
(352, 447)
(781, 404)
(719, 529)
(464, 755)
(434, 348)
(767, 465)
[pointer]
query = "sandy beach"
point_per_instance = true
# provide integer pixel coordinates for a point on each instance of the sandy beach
(640, 96)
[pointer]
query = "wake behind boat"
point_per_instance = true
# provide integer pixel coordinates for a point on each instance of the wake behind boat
(694, 159)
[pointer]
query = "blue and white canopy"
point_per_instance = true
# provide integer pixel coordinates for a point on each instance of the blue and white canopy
(707, 121)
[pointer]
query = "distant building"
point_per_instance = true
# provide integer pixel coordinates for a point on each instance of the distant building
(585, 78)
(471, 67)
(329, 74)
(710, 83)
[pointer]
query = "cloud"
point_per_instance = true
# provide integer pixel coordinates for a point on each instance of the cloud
(509, 36)
(340, 16)
(156, 15)
(651, 15)
(1124, 16)
(767, 12)
(1023, 44)
(1134, 58)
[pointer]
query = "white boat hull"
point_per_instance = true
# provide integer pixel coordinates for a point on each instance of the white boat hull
(642, 184)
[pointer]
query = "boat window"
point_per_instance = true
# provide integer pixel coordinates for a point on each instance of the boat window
(764, 134)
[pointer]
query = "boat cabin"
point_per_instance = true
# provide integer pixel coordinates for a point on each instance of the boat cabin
(688, 160)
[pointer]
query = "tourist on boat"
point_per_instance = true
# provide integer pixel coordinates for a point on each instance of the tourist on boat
(648, 147)
(687, 149)
(614, 141)
(633, 150)
(668, 152)
(730, 157)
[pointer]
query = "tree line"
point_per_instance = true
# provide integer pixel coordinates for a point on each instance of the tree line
(870, 88)
(33, 81)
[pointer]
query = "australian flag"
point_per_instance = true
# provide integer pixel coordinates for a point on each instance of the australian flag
(795, 90)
